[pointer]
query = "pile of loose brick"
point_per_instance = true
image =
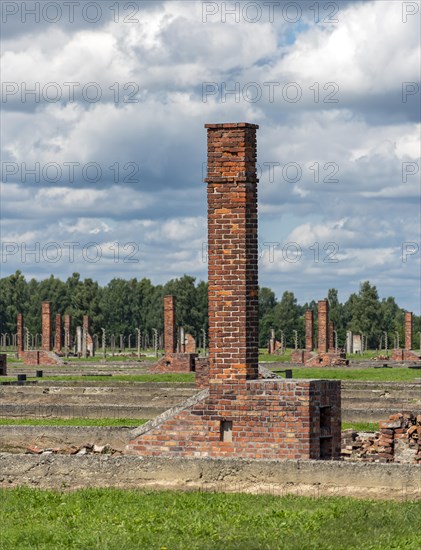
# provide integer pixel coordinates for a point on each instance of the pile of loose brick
(398, 440)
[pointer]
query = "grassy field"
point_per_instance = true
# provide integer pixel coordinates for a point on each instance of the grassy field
(109, 519)
(361, 426)
(371, 374)
(181, 377)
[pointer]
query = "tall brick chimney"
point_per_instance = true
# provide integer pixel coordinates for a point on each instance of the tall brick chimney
(408, 330)
(323, 336)
(309, 330)
(241, 414)
(331, 336)
(170, 330)
(46, 326)
(232, 253)
(68, 330)
(19, 331)
(58, 332)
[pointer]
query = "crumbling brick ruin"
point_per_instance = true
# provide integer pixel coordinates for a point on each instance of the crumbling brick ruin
(45, 355)
(240, 415)
(173, 361)
(398, 440)
(58, 333)
(326, 355)
(406, 354)
(88, 349)
(274, 346)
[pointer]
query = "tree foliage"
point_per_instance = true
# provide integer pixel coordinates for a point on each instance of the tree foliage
(123, 305)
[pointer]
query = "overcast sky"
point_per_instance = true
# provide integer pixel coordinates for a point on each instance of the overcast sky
(104, 146)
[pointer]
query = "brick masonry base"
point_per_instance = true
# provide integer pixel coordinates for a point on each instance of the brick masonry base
(273, 419)
(329, 359)
(176, 362)
(313, 359)
(405, 355)
(40, 357)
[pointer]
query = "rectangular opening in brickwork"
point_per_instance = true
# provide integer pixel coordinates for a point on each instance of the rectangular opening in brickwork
(325, 421)
(325, 432)
(226, 430)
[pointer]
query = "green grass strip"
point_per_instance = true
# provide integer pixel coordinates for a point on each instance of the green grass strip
(131, 520)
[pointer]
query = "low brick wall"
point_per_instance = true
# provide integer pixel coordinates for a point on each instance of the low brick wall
(261, 419)
(40, 357)
(307, 477)
(175, 362)
(405, 355)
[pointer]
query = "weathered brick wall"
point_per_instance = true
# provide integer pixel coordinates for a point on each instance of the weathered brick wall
(297, 356)
(68, 331)
(190, 344)
(58, 332)
(46, 326)
(323, 316)
(331, 336)
(405, 355)
(19, 329)
(270, 419)
(170, 334)
(232, 253)
(309, 330)
(202, 372)
(176, 362)
(408, 330)
(40, 357)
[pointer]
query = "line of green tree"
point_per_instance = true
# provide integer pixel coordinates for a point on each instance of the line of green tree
(122, 305)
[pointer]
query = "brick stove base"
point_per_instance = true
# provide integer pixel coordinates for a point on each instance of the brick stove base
(274, 419)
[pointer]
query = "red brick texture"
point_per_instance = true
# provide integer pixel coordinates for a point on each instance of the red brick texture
(170, 334)
(19, 330)
(176, 362)
(202, 372)
(232, 253)
(173, 361)
(240, 415)
(309, 330)
(274, 419)
(46, 326)
(58, 332)
(68, 330)
(189, 344)
(40, 357)
(323, 316)
(331, 336)
(408, 330)
(405, 355)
